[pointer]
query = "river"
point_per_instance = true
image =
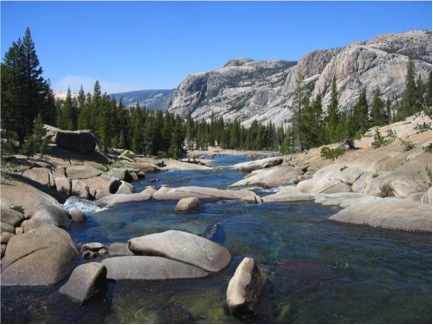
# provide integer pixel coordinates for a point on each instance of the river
(318, 271)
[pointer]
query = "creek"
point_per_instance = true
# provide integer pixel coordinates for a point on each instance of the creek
(318, 271)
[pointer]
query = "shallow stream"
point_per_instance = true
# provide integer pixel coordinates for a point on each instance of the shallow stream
(318, 271)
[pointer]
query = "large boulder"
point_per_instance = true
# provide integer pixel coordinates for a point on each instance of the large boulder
(390, 213)
(43, 256)
(184, 247)
(82, 172)
(11, 217)
(149, 268)
(245, 287)
(40, 175)
(34, 203)
(83, 141)
(86, 281)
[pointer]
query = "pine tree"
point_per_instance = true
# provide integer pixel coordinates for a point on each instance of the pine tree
(94, 107)
(298, 123)
(378, 115)
(428, 94)
(360, 113)
(408, 103)
(332, 119)
(24, 92)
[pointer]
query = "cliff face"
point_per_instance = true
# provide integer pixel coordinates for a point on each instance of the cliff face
(263, 90)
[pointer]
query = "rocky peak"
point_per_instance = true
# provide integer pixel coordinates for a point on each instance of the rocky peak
(237, 62)
(263, 90)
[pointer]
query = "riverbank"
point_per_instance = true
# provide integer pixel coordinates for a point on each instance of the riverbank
(385, 187)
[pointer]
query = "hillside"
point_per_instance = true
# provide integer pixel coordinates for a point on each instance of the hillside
(153, 99)
(263, 90)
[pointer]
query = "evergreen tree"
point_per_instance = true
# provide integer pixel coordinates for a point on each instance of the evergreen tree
(408, 103)
(24, 92)
(37, 142)
(332, 119)
(94, 107)
(360, 113)
(428, 94)
(378, 115)
(298, 121)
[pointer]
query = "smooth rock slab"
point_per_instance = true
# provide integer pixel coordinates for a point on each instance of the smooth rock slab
(86, 281)
(184, 247)
(389, 213)
(249, 166)
(245, 287)
(149, 268)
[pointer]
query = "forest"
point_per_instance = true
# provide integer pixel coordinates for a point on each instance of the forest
(26, 98)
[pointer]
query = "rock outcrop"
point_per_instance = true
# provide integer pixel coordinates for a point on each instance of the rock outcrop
(264, 90)
(82, 141)
(34, 203)
(389, 213)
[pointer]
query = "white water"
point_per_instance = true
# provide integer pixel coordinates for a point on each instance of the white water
(85, 206)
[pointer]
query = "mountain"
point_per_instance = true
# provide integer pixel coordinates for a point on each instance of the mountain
(263, 90)
(154, 99)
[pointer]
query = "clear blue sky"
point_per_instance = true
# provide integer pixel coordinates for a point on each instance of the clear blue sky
(155, 45)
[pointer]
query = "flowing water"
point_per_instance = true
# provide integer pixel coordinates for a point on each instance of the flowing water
(318, 271)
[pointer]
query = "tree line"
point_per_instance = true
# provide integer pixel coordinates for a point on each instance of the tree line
(158, 133)
(26, 97)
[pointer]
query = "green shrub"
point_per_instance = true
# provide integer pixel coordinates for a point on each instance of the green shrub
(329, 153)
(408, 145)
(18, 208)
(379, 140)
(420, 128)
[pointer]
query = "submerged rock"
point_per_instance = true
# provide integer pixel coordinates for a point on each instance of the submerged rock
(184, 247)
(187, 203)
(245, 287)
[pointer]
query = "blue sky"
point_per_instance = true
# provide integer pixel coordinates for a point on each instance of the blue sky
(155, 45)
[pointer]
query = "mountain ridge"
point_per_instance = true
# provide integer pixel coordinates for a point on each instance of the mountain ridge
(263, 90)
